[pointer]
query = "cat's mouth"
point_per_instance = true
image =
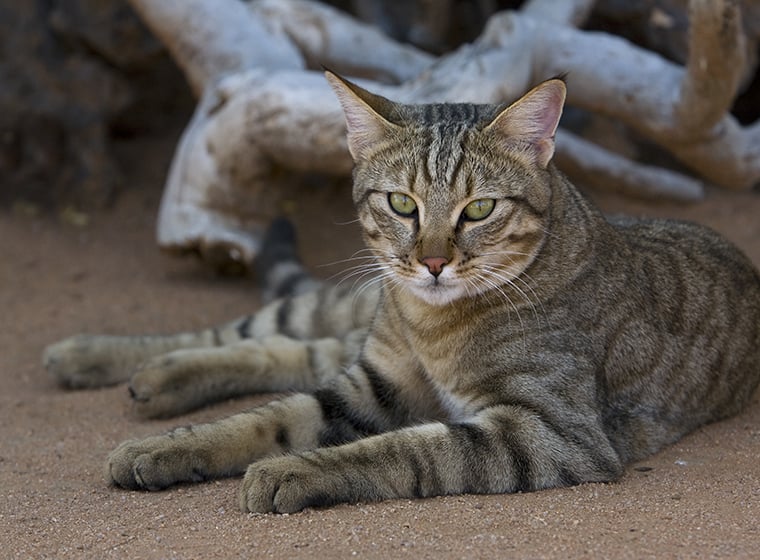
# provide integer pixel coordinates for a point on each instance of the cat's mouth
(436, 290)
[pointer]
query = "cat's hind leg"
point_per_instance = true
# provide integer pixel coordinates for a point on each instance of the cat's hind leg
(88, 361)
(187, 379)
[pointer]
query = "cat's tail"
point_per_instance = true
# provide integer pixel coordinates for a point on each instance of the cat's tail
(278, 267)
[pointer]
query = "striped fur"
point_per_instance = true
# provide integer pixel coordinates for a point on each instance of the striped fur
(534, 346)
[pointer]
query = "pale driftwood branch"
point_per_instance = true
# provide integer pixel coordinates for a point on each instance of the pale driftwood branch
(326, 36)
(602, 79)
(714, 70)
(220, 186)
(210, 40)
(220, 190)
(569, 12)
(592, 165)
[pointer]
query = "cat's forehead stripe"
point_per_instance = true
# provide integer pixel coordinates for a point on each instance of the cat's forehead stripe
(460, 113)
(450, 155)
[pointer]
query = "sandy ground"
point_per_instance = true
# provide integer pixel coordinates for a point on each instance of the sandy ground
(699, 498)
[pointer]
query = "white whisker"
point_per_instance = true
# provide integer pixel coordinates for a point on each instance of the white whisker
(499, 289)
(511, 280)
(362, 272)
(348, 223)
(373, 254)
(350, 259)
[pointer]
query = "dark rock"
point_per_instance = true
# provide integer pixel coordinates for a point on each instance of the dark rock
(69, 70)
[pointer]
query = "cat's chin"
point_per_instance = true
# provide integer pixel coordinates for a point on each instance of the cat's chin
(437, 294)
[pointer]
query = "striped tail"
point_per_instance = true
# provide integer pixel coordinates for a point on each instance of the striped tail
(279, 270)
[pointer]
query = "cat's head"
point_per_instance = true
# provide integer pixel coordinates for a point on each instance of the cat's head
(453, 198)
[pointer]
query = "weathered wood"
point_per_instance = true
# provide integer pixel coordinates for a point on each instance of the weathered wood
(261, 109)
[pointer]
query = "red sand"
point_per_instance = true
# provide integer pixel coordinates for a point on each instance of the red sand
(699, 498)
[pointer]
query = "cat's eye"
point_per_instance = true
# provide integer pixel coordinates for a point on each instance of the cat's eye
(478, 209)
(402, 204)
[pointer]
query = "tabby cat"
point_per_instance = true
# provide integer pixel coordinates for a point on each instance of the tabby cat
(513, 339)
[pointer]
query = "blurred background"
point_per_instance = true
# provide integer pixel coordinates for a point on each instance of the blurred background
(82, 79)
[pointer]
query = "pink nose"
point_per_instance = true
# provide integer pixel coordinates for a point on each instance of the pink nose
(435, 264)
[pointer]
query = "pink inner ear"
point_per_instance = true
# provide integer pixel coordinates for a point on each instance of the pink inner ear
(361, 131)
(533, 119)
(365, 127)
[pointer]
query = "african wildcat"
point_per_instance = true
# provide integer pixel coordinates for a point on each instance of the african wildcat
(514, 340)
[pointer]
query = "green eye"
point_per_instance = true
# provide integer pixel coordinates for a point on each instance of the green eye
(402, 204)
(478, 209)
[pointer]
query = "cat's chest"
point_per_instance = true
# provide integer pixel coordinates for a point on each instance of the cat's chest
(450, 366)
(457, 386)
(447, 352)
(427, 369)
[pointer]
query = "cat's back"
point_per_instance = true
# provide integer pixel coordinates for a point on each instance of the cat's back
(691, 253)
(687, 322)
(692, 282)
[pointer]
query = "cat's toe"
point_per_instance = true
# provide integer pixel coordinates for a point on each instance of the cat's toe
(84, 362)
(143, 388)
(157, 391)
(69, 362)
(119, 468)
(285, 485)
(152, 464)
(258, 490)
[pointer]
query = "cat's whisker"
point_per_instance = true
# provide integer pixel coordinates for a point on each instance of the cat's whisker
(373, 262)
(473, 289)
(510, 254)
(360, 270)
(504, 277)
(470, 288)
(347, 223)
(376, 252)
(362, 273)
(503, 253)
(373, 254)
(519, 277)
(526, 280)
(371, 282)
(366, 285)
(395, 280)
(528, 300)
(376, 264)
(511, 279)
(357, 271)
(495, 286)
(348, 260)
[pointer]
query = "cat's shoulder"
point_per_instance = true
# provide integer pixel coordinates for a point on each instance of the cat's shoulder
(665, 229)
(681, 236)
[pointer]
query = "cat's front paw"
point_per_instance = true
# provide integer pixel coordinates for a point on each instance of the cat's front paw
(84, 361)
(289, 484)
(154, 463)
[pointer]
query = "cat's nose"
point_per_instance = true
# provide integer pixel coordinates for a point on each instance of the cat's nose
(435, 264)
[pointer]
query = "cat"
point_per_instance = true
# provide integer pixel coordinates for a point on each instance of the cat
(512, 340)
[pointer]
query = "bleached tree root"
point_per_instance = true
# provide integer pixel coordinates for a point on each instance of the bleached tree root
(261, 107)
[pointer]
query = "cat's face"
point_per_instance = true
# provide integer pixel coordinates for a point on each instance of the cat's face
(452, 199)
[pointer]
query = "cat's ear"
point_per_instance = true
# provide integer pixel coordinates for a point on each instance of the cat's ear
(532, 120)
(366, 126)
